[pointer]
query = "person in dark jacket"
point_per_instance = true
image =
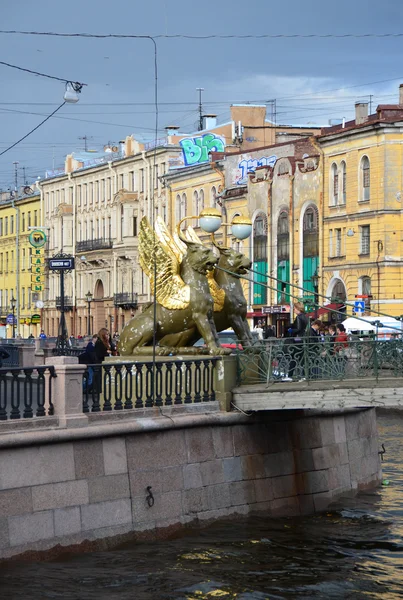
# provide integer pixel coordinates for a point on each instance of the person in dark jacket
(294, 345)
(315, 348)
(3, 354)
(301, 321)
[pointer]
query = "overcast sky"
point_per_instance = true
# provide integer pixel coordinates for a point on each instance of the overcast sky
(120, 73)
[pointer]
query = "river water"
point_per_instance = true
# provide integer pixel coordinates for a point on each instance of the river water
(353, 551)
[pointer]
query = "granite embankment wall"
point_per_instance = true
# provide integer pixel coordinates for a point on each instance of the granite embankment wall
(92, 484)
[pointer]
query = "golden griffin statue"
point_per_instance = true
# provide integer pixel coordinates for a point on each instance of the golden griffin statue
(193, 298)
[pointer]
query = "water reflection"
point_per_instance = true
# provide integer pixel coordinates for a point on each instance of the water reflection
(353, 551)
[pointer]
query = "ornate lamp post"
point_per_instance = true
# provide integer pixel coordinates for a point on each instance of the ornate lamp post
(13, 304)
(89, 298)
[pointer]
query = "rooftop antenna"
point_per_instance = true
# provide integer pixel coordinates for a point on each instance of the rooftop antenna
(85, 138)
(200, 90)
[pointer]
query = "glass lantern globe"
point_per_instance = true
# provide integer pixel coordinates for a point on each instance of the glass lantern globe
(241, 227)
(210, 220)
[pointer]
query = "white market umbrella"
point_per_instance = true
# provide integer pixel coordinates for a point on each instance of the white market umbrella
(352, 324)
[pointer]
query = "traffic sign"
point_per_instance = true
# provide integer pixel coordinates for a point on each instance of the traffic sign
(11, 319)
(61, 264)
(359, 306)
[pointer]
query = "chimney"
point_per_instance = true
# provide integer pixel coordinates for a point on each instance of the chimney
(361, 112)
(172, 129)
(401, 94)
(209, 121)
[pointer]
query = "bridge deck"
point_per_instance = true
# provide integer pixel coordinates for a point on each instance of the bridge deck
(351, 393)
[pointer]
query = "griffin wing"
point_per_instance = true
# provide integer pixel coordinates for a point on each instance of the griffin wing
(217, 293)
(159, 259)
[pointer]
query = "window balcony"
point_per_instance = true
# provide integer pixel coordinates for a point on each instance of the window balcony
(125, 300)
(68, 303)
(98, 244)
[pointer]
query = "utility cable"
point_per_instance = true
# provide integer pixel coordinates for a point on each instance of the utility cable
(32, 130)
(41, 74)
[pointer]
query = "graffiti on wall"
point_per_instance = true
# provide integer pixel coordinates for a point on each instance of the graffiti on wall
(249, 165)
(196, 149)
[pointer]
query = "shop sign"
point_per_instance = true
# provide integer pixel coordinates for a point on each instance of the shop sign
(277, 309)
(37, 238)
(35, 319)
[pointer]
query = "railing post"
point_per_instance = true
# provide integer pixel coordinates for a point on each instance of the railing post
(224, 380)
(67, 391)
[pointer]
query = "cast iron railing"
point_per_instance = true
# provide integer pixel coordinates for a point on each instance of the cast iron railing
(26, 392)
(98, 244)
(125, 300)
(120, 386)
(310, 359)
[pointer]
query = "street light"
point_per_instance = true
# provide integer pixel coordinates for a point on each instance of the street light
(210, 220)
(89, 297)
(13, 303)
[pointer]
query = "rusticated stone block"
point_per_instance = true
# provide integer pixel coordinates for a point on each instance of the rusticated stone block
(192, 477)
(264, 490)
(242, 492)
(89, 459)
(362, 424)
(250, 439)
(285, 507)
(223, 442)
(303, 460)
(219, 496)
(253, 467)
(281, 463)
(233, 468)
(166, 506)
(4, 536)
(59, 495)
(339, 477)
(111, 487)
(339, 429)
(306, 433)
(326, 457)
(278, 437)
(195, 500)
(212, 472)
(106, 514)
(199, 443)
(15, 502)
(322, 500)
(115, 459)
(286, 486)
(23, 467)
(168, 479)
(315, 482)
(67, 521)
(31, 528)
(327, 431)
(156, 449)
(306, 504)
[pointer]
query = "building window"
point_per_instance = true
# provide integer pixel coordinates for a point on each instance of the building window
(213, 194)
(196, 206)
(109, 189)
(135, 226)
(283, 243)
(35, 218)
(141, 180)
(343, 182)
(22, 221)
(85, 194)
(29, 219)
(365, 239)
(335, 185)
(122, 221)
(11, 224)
(330, 243)
(365, 179)
(337, 233)
(122, 181)
(22, 298)
(5, 225)
(79, 195)
(1, 226)
(201, 200)
(23, 259)
(131, 181)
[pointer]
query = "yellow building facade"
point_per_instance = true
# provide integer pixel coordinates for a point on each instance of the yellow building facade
(362, 252)
(19, 295)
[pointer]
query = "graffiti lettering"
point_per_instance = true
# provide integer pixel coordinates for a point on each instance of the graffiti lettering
(250, 165)
(196, 150)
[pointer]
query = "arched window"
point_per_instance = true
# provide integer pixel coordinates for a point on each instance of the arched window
(201, 199)
(260, 259)
(283, 237)
(178, 208)
(283, 168)
(335, 185)
(183, 207)
(213, 194)
(283, 258)
(196, 202)
(310, 249)
(365, 179)
(343, 170)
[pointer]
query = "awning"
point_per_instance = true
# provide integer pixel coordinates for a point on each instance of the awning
(325, 309)
(250, 315)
